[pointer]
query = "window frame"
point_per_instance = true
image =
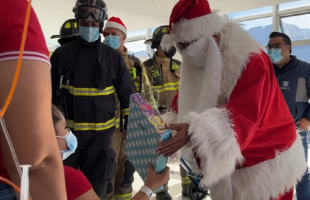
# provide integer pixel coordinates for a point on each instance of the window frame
(292, 15)
(276, 14)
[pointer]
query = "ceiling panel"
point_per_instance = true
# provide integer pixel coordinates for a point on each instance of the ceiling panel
(136, 14)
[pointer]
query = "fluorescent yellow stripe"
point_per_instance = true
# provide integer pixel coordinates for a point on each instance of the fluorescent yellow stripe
(91, 126)
(117, 121)
(125, 111)
(123, 196)
(185, 180)
(138, 87)
(89, 91)
(166, 87)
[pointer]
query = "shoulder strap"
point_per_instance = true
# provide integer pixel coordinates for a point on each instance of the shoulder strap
(148, 63)
(176, 61)
(133, 58)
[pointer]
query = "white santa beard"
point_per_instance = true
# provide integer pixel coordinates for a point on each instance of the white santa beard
(200, 85)
(195, 53)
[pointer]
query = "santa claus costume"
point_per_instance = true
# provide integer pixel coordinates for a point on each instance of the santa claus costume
(242, 135)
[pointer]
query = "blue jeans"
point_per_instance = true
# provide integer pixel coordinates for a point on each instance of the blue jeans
(7, 192)
(303, 187)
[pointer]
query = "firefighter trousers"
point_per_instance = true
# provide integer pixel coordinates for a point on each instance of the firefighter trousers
(185, 181)
(120, 187)
(95, 158)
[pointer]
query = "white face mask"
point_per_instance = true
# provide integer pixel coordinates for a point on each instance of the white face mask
(197, 52)
(72, 143)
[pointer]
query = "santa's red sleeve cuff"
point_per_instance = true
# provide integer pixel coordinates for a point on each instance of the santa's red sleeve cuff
(214, 142)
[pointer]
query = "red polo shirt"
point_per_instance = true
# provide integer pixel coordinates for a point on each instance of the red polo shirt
(12, 23)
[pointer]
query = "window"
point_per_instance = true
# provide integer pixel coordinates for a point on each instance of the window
(259, 29)
(252, 12)
(302, 52)
(296, 27)
(294, 4)
(137, 48)
(136, 33)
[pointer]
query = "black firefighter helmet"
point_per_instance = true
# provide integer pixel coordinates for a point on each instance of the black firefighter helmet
(91, 10)
(68, 32)
(157, 36)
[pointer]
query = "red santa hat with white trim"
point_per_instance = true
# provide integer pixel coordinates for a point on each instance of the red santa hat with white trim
(115, 22)
(190, 20)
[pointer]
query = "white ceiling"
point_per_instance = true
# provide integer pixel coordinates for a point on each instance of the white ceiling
(136, 14)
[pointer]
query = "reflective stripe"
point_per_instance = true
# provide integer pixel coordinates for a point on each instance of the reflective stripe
(185, 181)
(89, 91)
(165, 87)
(117, 121)
(125, 111)
(123, 196)
(138, 87)
(91, 126)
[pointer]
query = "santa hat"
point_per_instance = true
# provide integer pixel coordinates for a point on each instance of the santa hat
(190, 20)
(115, 22)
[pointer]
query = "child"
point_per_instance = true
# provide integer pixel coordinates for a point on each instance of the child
(77, 185)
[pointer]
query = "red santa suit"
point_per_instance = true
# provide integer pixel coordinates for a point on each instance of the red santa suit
(242, 136)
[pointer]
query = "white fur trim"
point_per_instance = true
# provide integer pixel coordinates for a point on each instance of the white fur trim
(214, 140)
(200, 87)
(167, 42)
(237, 47)
(193, 29)
(170, 117)
(265, 180)
(116, 25)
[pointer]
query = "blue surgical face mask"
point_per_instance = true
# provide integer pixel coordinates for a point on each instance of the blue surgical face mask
(72, 143)
(89, 34)
(112, 41)
(275, 55)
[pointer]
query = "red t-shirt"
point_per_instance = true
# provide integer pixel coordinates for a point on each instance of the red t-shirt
(76, 183)
(12, 23)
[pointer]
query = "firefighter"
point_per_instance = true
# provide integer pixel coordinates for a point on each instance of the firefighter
(115, 33)
(68, 32)
(85, 75)
(164, 73)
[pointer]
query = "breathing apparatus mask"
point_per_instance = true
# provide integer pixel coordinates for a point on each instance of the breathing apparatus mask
(172, 51)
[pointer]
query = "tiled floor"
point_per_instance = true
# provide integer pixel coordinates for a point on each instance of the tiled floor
(174, 183)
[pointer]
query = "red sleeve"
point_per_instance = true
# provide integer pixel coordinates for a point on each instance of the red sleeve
(219, 135)
(174, 105)
(248, 101)
(11, 29)
(76, 183)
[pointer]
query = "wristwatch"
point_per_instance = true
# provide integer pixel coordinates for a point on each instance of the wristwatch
(146, 190)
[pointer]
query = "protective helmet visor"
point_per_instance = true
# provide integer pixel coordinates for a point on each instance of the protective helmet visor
(85, 11)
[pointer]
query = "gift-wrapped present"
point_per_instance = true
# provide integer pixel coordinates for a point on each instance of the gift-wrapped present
(143, 137)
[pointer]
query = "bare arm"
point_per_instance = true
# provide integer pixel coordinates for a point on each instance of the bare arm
(153, 181)
(90, 195)
(140, 196)
(29, 122)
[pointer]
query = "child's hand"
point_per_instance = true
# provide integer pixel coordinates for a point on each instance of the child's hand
(153, 180)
